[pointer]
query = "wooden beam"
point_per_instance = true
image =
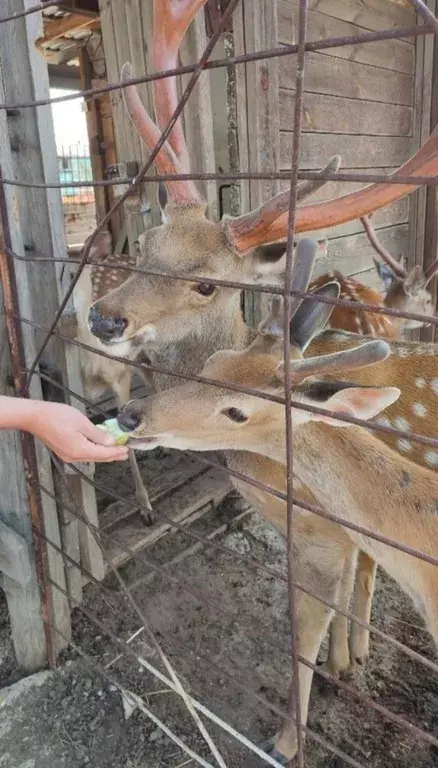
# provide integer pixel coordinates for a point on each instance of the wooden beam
(41, 223)
(55, 28)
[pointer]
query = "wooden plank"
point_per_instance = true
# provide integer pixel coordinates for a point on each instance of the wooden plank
(257, 29)
(39, 224)
(50, 238)
(358, 151)
(431, 224)
(340, 77)
(354, 253)
(200, 493)
(240, 74)
(374, 14)
(334, 114)
(95, 138)
(58, 27)
(423, 100)
(198, 113)
(394, 55)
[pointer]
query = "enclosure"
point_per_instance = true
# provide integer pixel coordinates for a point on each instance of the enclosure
(174, 643)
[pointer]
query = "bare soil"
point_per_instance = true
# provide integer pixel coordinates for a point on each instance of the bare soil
(223, 649)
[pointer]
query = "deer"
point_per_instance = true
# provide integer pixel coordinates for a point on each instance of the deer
(404, 290)
(180, 324)
(100, 373)
(352, 474)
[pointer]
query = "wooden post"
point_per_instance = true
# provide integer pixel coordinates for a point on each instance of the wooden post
(255, 29)
(198, 121)
(34, 158)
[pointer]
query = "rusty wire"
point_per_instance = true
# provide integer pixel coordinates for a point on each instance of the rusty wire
(15, 320)
(271, 53)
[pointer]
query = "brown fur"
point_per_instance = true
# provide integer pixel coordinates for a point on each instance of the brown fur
(394, 497)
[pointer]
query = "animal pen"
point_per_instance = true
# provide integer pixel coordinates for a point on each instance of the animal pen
(186, 618)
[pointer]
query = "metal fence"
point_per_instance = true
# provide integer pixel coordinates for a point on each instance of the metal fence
(25, 370)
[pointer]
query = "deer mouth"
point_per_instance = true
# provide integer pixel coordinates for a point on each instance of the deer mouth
(143, 443)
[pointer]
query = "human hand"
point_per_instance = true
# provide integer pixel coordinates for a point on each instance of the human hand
(69, 434)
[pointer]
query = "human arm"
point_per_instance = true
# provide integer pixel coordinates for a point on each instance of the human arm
(64, 429)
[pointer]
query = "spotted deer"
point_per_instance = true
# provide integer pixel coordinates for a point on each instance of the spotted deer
(100, 373)
(405, 291)
(178, 323)
(349, 471)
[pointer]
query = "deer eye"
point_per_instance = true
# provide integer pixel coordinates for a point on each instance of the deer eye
(235, 415)
(204, 289)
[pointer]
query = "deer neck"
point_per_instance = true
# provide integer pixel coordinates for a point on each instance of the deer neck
(224, 329)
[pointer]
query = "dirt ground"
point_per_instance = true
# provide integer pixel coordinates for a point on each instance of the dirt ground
(235, 642)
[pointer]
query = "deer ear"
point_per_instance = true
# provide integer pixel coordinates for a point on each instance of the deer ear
(385, 273)
(312, 316)
(271, 259)
(415, 281)
(101, 247)
(162, 199)
(360, 402)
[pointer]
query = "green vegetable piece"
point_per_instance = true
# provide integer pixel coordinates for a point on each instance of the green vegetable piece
(111, 426)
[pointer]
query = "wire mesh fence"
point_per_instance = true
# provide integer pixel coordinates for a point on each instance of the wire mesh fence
(328, 495)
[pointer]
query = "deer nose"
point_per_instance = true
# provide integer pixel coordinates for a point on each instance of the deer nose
(129, 418)
(107, 329)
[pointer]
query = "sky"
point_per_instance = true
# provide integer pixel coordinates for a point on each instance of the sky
(70, 123)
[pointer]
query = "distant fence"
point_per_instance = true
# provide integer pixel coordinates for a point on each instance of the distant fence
(74, 163)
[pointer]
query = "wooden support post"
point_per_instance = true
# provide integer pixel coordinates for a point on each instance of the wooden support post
(34, 158)
(255, 28)
(198, 122)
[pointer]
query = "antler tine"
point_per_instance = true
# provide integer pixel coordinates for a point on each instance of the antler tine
(310, 186)
(275, 207)
(431, 271)
(172, 18)
(368, 354)
(256, 229)
(166, 160)
(380, 249)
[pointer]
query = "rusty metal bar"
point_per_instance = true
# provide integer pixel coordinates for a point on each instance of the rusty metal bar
(429, 441)
(270, 53)
(18, 360)
(233, 176)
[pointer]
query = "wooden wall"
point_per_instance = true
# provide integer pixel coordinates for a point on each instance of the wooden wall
(362, 102)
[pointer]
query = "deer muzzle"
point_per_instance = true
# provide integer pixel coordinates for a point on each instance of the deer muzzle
(108, 329)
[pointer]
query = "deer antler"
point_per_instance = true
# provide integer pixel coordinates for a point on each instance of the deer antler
(359, 357)
(263, 226)
(381, 250)
(171, 21)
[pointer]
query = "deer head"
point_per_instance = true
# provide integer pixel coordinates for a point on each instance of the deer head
(200, 416)
(244, 249)
(403, 290)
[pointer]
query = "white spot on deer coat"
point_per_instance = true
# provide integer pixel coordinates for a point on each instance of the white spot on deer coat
(404, 445)
(419, 409)
(431, 458)
(401, 423)
(420, 383)
(434, 385)
(383, 421)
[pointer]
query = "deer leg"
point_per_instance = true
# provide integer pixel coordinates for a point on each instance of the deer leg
(122, 392)
(338, 658)
(363, 598)
(319, 563)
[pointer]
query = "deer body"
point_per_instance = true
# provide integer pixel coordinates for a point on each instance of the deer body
(393, 495)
